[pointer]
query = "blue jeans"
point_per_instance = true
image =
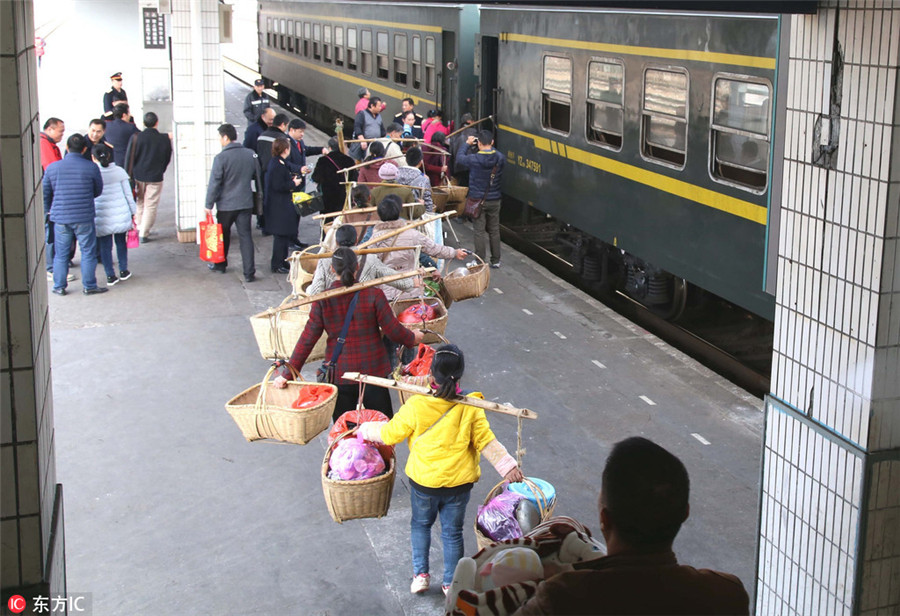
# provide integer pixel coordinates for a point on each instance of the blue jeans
(425, 509)
(106, 244)
(65, 236)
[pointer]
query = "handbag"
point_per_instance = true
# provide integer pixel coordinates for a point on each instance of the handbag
(474, 206)
(306, 204)
(212, 242)
(325, 372)
(132, 239)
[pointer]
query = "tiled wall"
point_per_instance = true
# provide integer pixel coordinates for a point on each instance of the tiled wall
(836, 364)
(199, 102)
(26, 408)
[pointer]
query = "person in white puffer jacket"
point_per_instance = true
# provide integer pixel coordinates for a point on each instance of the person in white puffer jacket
(115, 209)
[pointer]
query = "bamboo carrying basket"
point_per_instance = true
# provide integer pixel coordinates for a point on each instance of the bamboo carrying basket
(434, 328)
(302, 270)
(277, 333)
(409, 379)
(483, 540)
(264, 412)
(352, 500)
(440, 196)
(467, 287)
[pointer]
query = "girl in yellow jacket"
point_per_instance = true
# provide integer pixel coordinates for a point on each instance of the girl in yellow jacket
(446, 438)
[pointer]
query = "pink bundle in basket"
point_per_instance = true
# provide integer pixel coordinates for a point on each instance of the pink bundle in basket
(354, 459)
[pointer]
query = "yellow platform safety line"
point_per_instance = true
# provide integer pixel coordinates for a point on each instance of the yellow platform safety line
(371, 85)
(339, 21)
(653, 52)
(704, 196)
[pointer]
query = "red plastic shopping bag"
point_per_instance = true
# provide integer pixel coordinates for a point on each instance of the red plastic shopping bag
(212, 244)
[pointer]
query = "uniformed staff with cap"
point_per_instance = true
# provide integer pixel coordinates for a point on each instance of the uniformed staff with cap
(115, 96)
(256, 102)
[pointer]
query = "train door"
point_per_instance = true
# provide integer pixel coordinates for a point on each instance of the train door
(487, 85)
(449, 75)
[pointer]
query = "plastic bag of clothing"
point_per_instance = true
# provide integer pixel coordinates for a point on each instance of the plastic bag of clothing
(497, 518)
(417, 313)
(354, 459)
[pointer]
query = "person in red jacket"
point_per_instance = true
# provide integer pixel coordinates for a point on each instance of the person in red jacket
(363, 350)
(53, 132)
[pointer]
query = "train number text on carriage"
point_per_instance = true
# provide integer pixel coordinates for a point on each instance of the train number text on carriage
(525, 163)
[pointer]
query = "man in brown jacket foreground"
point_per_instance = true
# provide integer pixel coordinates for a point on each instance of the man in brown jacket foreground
(643, 502)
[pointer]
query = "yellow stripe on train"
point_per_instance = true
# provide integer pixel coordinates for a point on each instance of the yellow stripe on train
(698, 194)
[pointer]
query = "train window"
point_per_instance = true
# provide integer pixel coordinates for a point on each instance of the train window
(351, 49)
(298, 36)
(290, 36)
(365, 53)
(416, 62)
(339, 45)
(282, 34)
(268, 31)
(307, 35)
(326, 44)
(381, 54)
(739, 134)
(664, 112)
(557, 94)
(605, 103)
(317, 41)
(400, 55)
(430, 73)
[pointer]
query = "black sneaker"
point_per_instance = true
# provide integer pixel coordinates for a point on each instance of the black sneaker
(94, 291)
(111, 280)
(124, 275)
(59, 291)
(216, 267)
(250, 278)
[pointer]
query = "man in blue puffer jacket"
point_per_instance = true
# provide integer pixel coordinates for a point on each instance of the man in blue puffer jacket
(70, 186)
(485, 171)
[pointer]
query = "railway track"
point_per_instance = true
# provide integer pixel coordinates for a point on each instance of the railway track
(721, 336)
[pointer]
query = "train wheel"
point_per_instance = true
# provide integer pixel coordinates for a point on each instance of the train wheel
(673, 310)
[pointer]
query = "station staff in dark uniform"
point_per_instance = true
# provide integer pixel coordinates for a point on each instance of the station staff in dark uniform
(256, 102)
(115, 96)
(299, 150)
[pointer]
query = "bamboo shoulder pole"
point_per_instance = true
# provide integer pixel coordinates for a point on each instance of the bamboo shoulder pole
(412, 225)
(388, 184)
(360, 210)
(344, 290)
(364, 251)
(419, 389)
(411, 139)
(366, 163)
(459, 130)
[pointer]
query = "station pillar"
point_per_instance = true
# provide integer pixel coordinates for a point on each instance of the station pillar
(829, 523)
(198, 105)
(31, 511)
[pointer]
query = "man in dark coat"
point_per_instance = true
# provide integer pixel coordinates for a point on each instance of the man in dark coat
(257, 128)
(328, 176)
(96, 134)
(70, 186)
(643, 503)
(114, 97)
(148, 155)
(119, 132)
(299, 150)
(233, 180)
(257, 100)
(53, 132)
(264, 152)
(485, 173)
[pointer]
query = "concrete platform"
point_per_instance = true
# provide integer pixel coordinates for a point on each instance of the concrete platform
(170, 511)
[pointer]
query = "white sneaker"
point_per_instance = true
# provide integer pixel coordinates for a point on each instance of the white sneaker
(420, 583)
(446, 589)
(69, 278)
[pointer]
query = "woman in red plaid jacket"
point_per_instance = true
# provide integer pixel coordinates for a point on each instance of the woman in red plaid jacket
(364, 351)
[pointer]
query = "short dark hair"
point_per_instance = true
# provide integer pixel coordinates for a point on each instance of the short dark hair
(393, 127)
(485, 137)
(227, 130)
(408, 100)
(438, 137)
(345, 236)
(99, 121)
(120, 111)
(150, 119)
(76, 143)
(52, 122)
(465, 118)
(279, 146)
(413, 156)
(280, 119)
(296, 123)
(374, 101)
(390, 207)
(333, 143)
(409, 113)
(645, 491)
